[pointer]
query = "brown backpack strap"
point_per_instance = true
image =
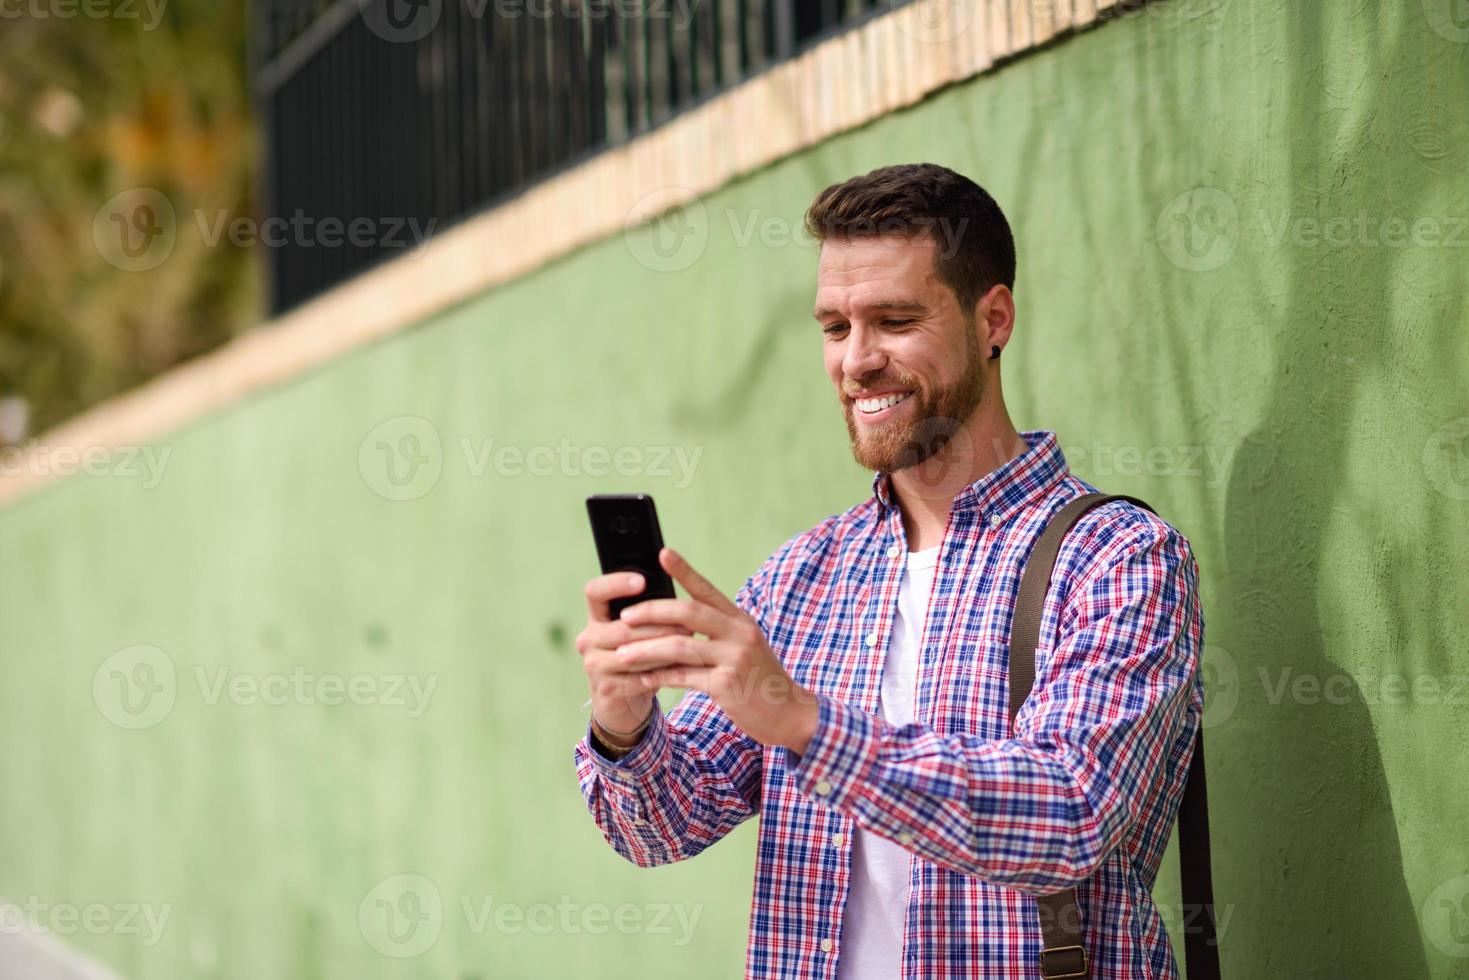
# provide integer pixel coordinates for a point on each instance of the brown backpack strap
(1063, 954)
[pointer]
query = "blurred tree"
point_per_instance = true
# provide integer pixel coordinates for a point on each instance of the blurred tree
(115, 131)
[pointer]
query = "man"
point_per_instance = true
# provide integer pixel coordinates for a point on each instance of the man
(854, 693)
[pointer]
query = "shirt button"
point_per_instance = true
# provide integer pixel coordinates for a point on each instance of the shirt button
(826, 945)
(994, 519)
(905, 838)
(892, 551)
(872, 639)
(837, 840)
(822, 787)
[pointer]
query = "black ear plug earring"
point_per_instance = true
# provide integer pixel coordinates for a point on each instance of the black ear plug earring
(994, 352)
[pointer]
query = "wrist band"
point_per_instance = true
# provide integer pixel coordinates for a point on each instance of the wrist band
(615, 733)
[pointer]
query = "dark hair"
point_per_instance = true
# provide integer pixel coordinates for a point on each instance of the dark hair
(976, 249)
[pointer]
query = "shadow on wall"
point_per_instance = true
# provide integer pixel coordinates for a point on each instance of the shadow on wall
(1314, 846)
(1311, 857)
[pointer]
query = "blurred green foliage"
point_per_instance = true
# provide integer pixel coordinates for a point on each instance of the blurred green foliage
(99, 99)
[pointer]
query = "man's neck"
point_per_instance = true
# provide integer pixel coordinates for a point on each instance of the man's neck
(925, 493)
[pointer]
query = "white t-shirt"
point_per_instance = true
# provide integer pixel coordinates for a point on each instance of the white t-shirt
(872, 928)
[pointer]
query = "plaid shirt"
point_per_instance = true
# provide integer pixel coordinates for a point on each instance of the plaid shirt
(1081, 793)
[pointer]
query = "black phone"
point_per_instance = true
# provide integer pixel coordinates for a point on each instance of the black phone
(625, 527)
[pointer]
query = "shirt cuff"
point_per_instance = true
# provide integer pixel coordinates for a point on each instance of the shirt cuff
(838, 759)
(646, 758)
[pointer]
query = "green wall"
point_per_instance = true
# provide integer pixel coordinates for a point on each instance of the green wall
(1287, 388)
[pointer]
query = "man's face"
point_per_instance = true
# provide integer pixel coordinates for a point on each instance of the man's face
(892, 329)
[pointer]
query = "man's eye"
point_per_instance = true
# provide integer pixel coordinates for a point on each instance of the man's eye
(833, 327)
(895, 322)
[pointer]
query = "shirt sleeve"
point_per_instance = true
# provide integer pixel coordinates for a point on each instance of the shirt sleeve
(692, 778)
(1038, 812)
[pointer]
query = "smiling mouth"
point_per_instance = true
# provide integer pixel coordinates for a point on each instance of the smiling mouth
(876, 406)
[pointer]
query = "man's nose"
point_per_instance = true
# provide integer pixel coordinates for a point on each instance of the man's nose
(863, 355)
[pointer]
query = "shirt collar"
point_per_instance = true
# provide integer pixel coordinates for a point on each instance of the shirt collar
(1003, 490)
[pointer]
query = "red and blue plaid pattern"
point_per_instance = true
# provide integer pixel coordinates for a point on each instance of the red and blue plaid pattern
(1082, 793)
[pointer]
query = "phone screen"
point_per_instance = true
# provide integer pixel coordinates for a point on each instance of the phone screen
(625, 528)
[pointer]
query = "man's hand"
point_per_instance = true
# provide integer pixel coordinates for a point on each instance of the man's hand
(733, 663)
(620, 699)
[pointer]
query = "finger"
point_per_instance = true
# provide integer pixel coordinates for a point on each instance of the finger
(697, 585)
(689, 613)
(613, 585)
(697, 678)
(612, 634)
(648, 632)
(666, 651)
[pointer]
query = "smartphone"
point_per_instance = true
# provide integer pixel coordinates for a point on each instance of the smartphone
(625, 527)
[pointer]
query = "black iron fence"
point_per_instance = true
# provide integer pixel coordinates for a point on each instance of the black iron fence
(388, 120)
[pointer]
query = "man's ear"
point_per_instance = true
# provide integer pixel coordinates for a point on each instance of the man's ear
(994, 318)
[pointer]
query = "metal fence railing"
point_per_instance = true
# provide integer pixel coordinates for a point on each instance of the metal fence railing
(387, 120)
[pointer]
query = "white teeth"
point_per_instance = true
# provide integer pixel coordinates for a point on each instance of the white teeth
(870, 405)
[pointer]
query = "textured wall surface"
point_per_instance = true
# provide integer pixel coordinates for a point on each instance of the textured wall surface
(1243, 264)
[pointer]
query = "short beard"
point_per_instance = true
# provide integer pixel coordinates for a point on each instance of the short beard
(894, 446)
